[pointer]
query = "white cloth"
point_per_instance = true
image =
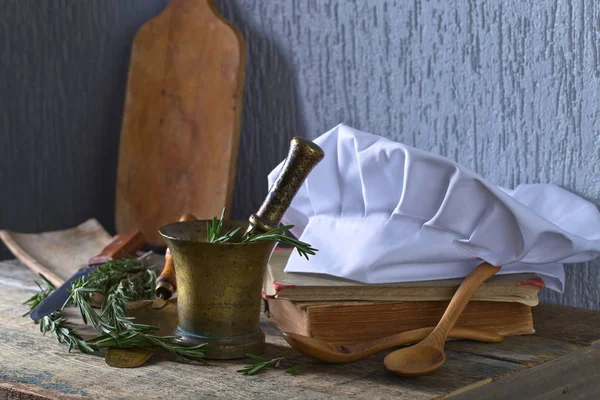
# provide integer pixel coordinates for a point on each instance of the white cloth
(380, 211)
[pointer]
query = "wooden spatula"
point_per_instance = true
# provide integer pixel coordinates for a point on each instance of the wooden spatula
(181, 123)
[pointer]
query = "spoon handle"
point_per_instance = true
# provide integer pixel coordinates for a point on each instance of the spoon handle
(166, 283)
(459, 301)
(413, 336)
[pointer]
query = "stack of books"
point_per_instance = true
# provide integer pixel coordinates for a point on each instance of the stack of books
(344, 311)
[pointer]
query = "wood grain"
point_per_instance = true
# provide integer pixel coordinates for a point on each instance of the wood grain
(58, 254)
(35, 365)
(573, 376)
(580, 328)
(181, 123)
(525, 350)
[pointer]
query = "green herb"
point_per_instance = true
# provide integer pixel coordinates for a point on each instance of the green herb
(179, 349)
(54, 323)
(214, 230)
(118, 282)
(278, 234)
(215, 234)
(264, 364)
(37, 298)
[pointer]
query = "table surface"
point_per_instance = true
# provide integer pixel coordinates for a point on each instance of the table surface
(561, 360)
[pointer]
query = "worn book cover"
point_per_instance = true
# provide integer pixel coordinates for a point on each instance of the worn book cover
(520, 288)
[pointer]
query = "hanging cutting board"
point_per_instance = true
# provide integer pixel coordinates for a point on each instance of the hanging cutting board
(181, 123)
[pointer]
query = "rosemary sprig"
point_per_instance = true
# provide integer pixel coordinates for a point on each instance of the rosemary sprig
(119, 282)
(54, 323)
(278, 234)
(81, 292)
(140, 336)
(214, 230)
(264, 364)
(179, 349)
(37, 298)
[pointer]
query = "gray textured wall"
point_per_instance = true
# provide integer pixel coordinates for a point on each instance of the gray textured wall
(509, 89)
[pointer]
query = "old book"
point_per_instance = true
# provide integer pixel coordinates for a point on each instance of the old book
(349, 322)
(521, 288)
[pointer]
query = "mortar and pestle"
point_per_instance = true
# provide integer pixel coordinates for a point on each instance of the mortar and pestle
(219, 285)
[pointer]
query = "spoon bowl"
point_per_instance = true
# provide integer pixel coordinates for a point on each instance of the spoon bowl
(428, 355)
(321, 349)
(413, 361)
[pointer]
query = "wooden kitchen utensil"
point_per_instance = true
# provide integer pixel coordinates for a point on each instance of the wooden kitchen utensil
(338, 354)
(428, 355)
(166, 283)
(181, 122)
(58, 254)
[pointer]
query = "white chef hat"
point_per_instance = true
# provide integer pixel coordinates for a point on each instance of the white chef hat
(380, 211)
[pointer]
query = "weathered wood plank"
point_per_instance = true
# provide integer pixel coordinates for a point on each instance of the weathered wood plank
(525, 350)
(568, 324)
(39, 366)
(20, 391)
(573, 376)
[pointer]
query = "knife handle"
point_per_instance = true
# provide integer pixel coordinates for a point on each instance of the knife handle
(121, 245)
(166, 283)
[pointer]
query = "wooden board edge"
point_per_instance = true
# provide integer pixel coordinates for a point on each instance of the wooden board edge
(164, 13)
(8, 239)
(22, 391)
(576, 372)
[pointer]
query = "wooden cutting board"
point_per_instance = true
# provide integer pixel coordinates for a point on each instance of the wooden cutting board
(181, 123)
(59, 254)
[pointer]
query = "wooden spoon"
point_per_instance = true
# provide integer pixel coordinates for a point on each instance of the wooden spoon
(428, 355)
(166, 283)
(338, 354)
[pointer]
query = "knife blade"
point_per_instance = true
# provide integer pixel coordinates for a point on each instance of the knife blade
(119, 247)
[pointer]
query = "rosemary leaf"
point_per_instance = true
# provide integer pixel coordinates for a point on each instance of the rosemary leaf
(185, 350)
(37, 298)
(294, 369)
(55, 324)
(265, 364)
(278, 235)
(214, 234)
(119, 281)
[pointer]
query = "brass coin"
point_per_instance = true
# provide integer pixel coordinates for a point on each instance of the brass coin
(127, 358)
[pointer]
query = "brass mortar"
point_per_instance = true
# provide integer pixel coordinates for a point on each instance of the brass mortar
(219, 288)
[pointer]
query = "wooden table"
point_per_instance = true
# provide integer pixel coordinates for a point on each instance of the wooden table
(561, 360)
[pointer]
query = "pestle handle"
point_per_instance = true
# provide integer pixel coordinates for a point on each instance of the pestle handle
(302, 157)
(166, 283)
